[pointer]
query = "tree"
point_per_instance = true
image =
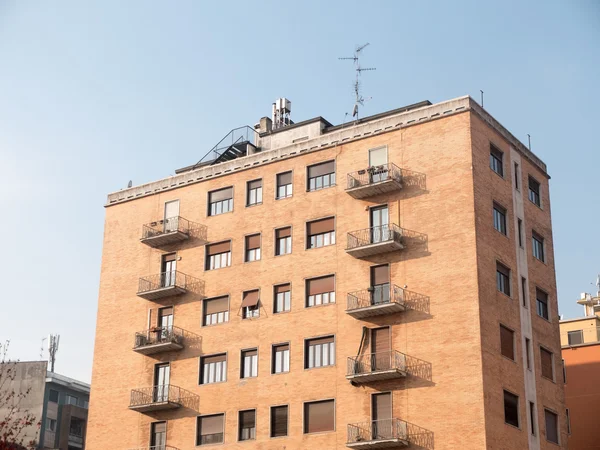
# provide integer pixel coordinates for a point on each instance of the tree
(15, 420)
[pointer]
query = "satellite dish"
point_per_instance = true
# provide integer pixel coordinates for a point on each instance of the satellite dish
(130, 183)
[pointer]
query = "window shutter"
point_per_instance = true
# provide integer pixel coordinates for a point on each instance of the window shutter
(247, 419)
(321, 169)
(216, 305)
(211, 424)
(170, 257)
(319, 416)
(252, 352)
(255, 184)
(214, 359)
(321, 285)
(382, 406)
(380, 274)
(546, 358)
(318, 341)
(221, 194)
(220, 247)
(507, 342)
(279, 421)
(284, 178)
(159, 427)
(163, 312)
(250, 298)
(551, 426)
(380, 340)
(321, 226)
(282, 288)
(253, 242)
(503, 269)
(282, 347)
(541, 295)
(283, 232)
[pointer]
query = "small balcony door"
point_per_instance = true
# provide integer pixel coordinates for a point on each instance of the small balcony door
(165, 322)
(381, 415)
(378, 159)
(171, 216)
(158, 436)
(380, 284)
(380, 219)
(162, 375)
(169, 266)
(380, 349)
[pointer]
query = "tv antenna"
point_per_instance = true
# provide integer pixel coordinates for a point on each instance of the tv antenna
(53, 341)
(359, 100)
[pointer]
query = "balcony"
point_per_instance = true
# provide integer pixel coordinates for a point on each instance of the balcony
(158, 398)
(375, 240)
(388, 433)
(158, 340)
(374, 180)
(166, 284)
(165, 232)
(377, 367)
(376, 301)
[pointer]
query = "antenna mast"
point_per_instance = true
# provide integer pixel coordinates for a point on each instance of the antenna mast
(53, 341)
(359, 100)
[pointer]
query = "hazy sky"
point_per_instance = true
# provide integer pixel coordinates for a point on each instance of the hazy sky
(93, 95)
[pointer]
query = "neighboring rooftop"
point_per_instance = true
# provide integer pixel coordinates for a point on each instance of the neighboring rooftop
(52, 377)
(266, 144)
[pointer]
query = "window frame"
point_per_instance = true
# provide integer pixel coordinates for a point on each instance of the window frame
(495, 160)
(276, 240)
(551, 411)
(569, 337)
(290, 184)
(532, 195)
(304, 403)
(223, 414)
(502, 212)
(275, 286)
(330, 185)
(306, 291)
(207, 257)
(538, 239)
(239, 425)
(545, 349)
(246, 250)
(249, 191)
(332, 234)
(209, 203)
(289, 362)
(243, 309)
(508, 279)
(537, 302)
(514, 349)
(201, 368)
(506, 391)
(202, 319)
(287, 431)
(306, 352)
(242, 363)
(50, 391)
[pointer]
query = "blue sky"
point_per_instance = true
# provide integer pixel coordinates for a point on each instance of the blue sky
(93, 95)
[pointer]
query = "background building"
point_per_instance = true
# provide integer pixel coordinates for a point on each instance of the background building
(59, 403)
(580, 340)
(382, 283)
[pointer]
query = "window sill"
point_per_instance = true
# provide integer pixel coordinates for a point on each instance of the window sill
(498, 174)
(283, 254)
(549, 379)
(513, 426)
(533, 203)
(283, 198)
(276, 313)
(254, 204)
(316, 433)
(508, 359)
(504, 294)
(215, 324)
(280, 373)
(306, 369)
(503, 234)
(253, 261)
(210, 384)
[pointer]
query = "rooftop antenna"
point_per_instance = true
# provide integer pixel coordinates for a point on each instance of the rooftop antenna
(53, 341)
(598, 285)
(42, 349)
(130, 183)
(481, 97)
(529, 140)
(359, 100)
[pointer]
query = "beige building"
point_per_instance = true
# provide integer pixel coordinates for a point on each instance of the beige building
(384, 283)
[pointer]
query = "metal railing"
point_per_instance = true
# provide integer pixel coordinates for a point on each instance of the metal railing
(235, 136)
(374, 235)
(159, 335)
(375, 362)
(168, 225)
(374, 174)
(167, 279)
(377, 295)
(377, 430)
(159, 394)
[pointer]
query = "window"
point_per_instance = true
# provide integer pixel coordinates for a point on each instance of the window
(532, 417)
(213, 369)
(216, 310)
(520, 232)
(575, 337)
(284, 185)
(538, 246)
(496, 157)
(524, 291)
(247, 425)
(254, 193)
(249, 363)
(283, 241)
(51, 425)
(528, 353)
(279, 421)
(158, 434)
(319, 352)
(250, 304)
(320, 291)
(507, 342)
(220, 202)
(511, 409)
(500, 218)
(503, 278)
(321, 176)
(281, 358)
(319, 416)
(534, 192)
(210, 429)
(551, 426)
(320, 233)
(252, 248)
(283, 298)
(568, 415)
(218, 255)
(564, 367)
(542, 303)
(547, 363)
(517, 176)
(53, 396)
(70, 400)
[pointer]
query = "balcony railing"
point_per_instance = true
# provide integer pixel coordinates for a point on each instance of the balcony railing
(377, 366)
(376, 301)
(374, 180)
(166, 231)
(386, 433)
(167, 284)
(159, 339)
(375, 240)
(156, 398)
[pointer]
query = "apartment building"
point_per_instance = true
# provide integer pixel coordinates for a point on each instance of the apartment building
(385, 283)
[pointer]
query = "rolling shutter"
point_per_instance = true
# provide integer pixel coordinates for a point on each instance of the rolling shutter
(380, 275)
(319, 416)
(220, 247)
(321, 169)
(216, 305)
(321, 285)
(321, 226)
(220, 195)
